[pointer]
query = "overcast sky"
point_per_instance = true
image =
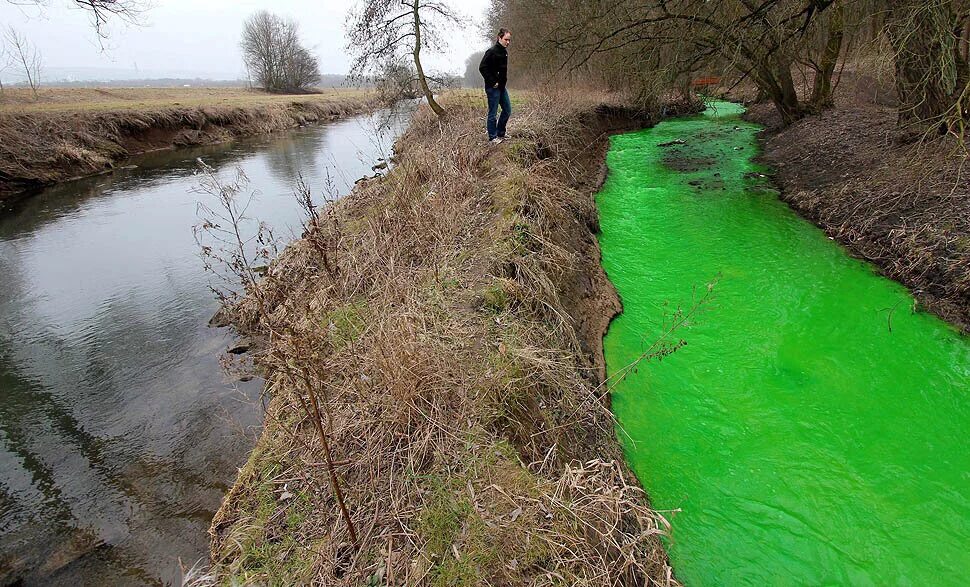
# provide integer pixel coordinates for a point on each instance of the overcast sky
(181, 37)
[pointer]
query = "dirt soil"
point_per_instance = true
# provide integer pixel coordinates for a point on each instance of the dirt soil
(68, 133)
(906, 208)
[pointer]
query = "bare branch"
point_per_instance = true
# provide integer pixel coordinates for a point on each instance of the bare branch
(25, 55)
(100, 11)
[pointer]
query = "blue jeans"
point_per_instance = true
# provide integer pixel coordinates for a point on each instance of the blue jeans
(496, 97)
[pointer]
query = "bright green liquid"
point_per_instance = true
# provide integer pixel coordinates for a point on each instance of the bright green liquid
(803, 441)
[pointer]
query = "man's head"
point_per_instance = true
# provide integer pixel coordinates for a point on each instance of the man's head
(504, 37)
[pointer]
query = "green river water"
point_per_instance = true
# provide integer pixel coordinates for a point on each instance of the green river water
(814, 430)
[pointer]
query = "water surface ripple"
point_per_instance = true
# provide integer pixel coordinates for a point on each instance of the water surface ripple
(814, 429)
(119, 435)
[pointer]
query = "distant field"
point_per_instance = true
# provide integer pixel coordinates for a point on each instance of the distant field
(22, 100)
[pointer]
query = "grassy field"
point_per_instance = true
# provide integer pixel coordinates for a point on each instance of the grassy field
(50, 100)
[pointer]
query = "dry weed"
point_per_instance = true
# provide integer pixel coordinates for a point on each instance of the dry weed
(440, 317)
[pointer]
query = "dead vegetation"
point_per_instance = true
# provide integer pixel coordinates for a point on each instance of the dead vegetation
(40, 146)
(446, 321)
(78, 100)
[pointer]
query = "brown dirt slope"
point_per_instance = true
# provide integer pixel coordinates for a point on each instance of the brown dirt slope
(906, 208)
(449, 319)
(53, 139)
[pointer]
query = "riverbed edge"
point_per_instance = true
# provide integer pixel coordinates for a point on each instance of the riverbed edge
(537, 270)
(856, 201)
(46, 148)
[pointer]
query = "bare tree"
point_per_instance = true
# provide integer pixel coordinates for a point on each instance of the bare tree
(274, 56)
(649, 46)
(25, 55)
(4, 64)
(822, 56)
(383, 32)
(397, 81)
(679, 39)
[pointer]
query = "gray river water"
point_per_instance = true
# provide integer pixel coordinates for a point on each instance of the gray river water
(119, 432)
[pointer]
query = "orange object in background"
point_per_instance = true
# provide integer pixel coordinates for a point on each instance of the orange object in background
(705, 81)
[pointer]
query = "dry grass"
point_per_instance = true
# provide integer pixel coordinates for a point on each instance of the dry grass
(448, 317)
(21, 100)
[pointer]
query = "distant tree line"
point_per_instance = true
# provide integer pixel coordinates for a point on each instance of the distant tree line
(275, 58)
(649, 46)
(472, 77)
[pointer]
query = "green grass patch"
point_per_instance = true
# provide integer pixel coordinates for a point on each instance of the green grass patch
(457, 541)
(510, 192)
(495, 298)
(268, 544)
(346, 323)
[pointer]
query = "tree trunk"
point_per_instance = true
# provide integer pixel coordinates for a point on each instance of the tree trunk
(822, 91)
(775, 79)
(928, 64)
(27, 72)
(417, 63)
(762, 96)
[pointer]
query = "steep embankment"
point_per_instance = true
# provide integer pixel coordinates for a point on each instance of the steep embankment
(449, 320)
(47, 142)
(904, 207)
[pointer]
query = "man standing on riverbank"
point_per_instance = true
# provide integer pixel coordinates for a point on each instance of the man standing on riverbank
(494, 68)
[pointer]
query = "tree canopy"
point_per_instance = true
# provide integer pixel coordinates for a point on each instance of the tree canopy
(645, 47)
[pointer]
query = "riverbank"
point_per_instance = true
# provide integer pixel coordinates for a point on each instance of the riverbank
(449, 317)
(902, 207)
(123, 286)
(68, 133)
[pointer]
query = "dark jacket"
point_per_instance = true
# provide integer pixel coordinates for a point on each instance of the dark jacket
(495, 66)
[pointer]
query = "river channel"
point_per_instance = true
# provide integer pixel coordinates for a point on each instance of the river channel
(813, 431)
(119, 432)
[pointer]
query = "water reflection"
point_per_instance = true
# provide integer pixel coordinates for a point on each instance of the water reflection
(118, 432)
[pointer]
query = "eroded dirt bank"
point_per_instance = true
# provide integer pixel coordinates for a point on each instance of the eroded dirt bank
(906, 208)
(449, 319)
(44, 144)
